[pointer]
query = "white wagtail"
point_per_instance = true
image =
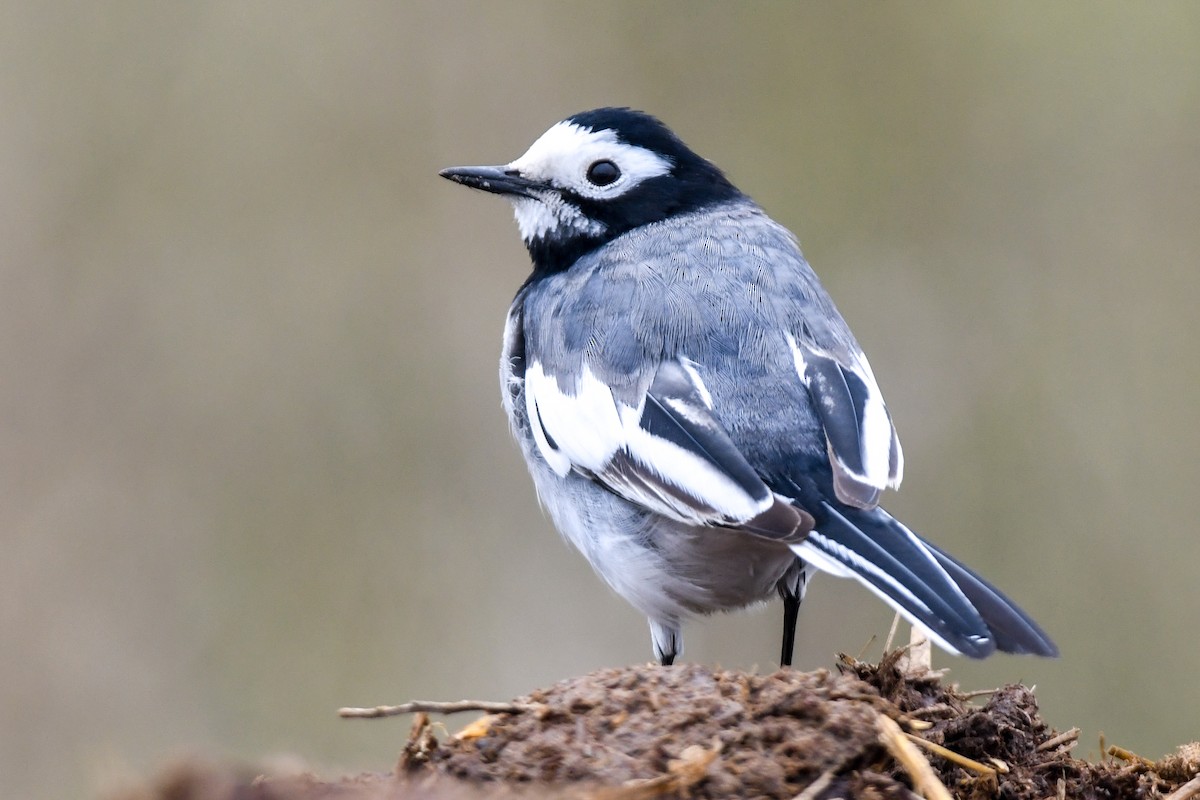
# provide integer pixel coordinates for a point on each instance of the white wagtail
(697, 417)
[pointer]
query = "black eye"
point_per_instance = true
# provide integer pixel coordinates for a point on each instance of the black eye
(602, 173)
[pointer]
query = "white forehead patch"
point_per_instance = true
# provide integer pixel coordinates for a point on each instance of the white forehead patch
(561, 157)
(563, 154)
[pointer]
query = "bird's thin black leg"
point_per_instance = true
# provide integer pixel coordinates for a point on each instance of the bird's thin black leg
(791, 612)
(791, 588)
(667, 640)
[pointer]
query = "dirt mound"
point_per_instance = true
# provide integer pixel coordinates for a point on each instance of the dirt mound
(865, 731)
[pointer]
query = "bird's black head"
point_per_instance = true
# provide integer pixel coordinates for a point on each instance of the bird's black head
(595, 176)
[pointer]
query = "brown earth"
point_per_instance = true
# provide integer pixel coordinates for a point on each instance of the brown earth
(689, 731)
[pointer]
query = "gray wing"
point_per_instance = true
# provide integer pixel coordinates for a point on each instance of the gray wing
(665, 452)
(861, 441)
(731, 289)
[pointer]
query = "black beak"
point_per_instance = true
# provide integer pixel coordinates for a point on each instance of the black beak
(497, 180)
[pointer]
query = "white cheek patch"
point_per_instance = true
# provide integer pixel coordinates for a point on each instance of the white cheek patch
(537, 218)
(563, 154)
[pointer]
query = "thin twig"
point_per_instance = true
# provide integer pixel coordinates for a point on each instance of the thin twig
(477, 729)
(977, 693)
(917, 659)
(863, 652)
(950, 755)
(924, 779)
(682, 773)
(1128, 755)
(434, 707)
(929, 711)
(816, 787)
(1187, 791)
(1064, 737)
(892, 632)
(420, 743)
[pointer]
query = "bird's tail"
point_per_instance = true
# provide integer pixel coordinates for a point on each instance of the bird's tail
(959, 610)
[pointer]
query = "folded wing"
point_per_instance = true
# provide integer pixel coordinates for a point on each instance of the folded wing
(864, 450)
(665, 452)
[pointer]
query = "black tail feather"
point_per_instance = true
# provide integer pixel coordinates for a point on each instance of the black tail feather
(889, 559)
(960, 610)
(1012, 629)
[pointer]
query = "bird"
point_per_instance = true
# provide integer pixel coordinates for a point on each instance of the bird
(696, 415)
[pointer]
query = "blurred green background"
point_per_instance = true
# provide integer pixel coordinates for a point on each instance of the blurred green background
(252, 457)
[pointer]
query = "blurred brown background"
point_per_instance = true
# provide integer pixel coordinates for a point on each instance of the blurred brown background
(252, 458)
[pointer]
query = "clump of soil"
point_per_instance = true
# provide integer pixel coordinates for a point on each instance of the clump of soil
(766, 736)
(689, 731)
